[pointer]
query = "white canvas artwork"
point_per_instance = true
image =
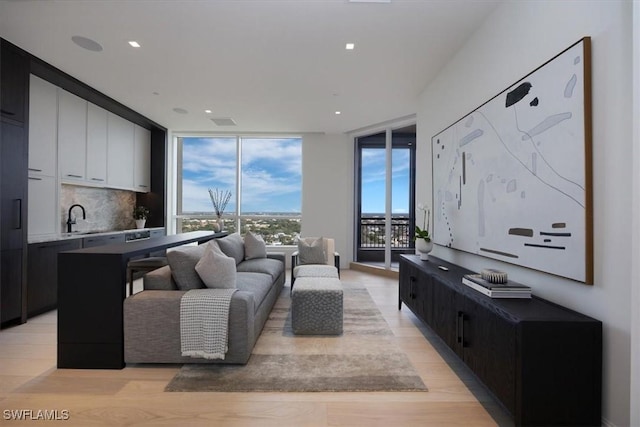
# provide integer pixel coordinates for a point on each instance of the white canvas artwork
(510, 178)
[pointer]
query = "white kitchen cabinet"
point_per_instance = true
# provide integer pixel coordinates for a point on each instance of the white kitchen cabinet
(72, 136)
(43, 125)
(120, 152)
(96, 145)
(43, 205)
(142, 159)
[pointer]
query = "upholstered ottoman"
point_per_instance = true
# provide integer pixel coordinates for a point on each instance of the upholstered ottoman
(314, 270)
(316, 306)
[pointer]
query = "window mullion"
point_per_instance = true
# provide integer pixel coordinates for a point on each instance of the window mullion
(238, 182)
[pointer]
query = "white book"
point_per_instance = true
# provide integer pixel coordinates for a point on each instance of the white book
(524, 293)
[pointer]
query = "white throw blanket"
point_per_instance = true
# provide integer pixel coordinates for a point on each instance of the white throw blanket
(204, 322)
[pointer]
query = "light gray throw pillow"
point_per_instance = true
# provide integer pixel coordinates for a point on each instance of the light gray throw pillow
(232, 246)
(254, 246)
(311, 251)
(216, 270)
(182, 261)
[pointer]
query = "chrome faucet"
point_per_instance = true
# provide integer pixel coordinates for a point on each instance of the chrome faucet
(73, 221)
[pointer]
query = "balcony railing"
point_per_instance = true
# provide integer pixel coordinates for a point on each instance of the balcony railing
(372, 232)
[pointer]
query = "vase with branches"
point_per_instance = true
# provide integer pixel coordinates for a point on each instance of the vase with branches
(219, 199)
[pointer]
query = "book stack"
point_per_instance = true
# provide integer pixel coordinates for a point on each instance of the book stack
(509, 289)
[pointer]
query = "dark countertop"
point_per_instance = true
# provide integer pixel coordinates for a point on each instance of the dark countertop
(82, 234)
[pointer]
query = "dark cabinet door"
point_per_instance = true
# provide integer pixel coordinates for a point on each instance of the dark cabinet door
(11, 285)
(13, 166)
(89, 242)
(489, 349)
(404, 285)
(14, 74)
(412, 291)
(446, 313)
(42, 274)
(13, 220)
(154, 235)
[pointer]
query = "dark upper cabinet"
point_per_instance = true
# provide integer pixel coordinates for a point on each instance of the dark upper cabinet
(14, 71)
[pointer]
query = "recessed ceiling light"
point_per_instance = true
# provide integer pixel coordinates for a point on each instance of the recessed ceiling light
(350, 46)
(87, 43)
(180, 110)
(338, 113)
(207, 111)
(134, 43)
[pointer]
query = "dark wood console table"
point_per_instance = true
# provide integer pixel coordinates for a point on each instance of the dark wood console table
(543, 362)
(91, 290)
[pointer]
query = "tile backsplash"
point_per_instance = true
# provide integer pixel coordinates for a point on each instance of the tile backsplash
(106, 209)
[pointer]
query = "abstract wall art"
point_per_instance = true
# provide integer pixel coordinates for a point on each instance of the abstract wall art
(512, 179)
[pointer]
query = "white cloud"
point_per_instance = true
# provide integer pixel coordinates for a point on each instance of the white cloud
(271, 171)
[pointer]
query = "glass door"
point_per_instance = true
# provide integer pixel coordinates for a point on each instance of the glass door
(372, 244)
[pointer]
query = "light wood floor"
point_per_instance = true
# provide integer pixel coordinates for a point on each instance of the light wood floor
(134, 396)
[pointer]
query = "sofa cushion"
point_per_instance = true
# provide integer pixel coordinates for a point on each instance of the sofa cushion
(269, 266)
(254, 246)
(258, 284)
(233, 246)
(311, 251)
(216, 270)
(182, 261)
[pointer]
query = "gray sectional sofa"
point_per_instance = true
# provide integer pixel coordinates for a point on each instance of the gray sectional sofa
(152, 317)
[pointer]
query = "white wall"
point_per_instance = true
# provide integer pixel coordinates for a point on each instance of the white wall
(327, 190)
(635, 253)
(515, 39)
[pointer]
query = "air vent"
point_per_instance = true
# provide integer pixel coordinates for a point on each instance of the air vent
(223, 121)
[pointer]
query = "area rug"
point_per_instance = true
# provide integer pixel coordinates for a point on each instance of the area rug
(364, 358)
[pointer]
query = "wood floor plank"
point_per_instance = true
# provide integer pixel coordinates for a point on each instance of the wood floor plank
(437, 414)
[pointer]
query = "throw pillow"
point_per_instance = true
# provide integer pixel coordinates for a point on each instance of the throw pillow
(216, 270)
(311, 251)
(254, 246)
(182, 261)
(232, 246)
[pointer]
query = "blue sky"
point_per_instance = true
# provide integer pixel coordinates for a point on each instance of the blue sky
(373, 181)
(272, 178)
(271, 173)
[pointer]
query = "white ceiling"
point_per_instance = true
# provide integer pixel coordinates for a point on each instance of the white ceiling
(271, 65)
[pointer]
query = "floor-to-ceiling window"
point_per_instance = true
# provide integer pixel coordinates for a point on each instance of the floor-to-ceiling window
(371, 221)
(263, 176)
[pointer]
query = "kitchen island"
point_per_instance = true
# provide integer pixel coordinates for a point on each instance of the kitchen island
(91, 291)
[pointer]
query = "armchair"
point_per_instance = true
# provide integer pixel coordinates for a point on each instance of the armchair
(332, 257)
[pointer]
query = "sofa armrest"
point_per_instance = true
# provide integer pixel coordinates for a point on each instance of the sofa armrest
(160, 280)
(280, 256)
